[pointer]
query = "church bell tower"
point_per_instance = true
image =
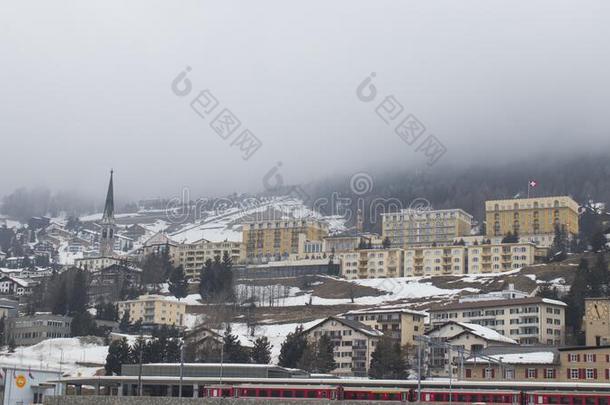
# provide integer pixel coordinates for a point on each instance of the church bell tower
(107, 224)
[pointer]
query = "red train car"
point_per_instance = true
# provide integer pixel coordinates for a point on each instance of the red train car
(505, 397)
(376, 394)
(567, 398)
(277, 391)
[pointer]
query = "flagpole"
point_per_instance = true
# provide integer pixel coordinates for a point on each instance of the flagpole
(528, 188)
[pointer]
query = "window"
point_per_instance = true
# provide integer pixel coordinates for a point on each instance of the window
(531, 373)
(549, 373)
(572, 357)
(573, 373)
(591, 373)
(590, 358)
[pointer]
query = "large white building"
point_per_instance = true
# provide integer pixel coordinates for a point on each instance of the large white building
(531, 320)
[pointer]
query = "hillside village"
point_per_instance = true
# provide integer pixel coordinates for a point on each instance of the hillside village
(274, 281)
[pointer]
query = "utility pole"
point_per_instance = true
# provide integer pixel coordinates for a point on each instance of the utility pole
(419, 343)
(140, 368)
(450, 375)
(222, 351)
(181, 370)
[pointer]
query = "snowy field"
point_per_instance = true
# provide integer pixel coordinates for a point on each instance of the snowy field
(395, 289)
(73, 356)
(275, 333)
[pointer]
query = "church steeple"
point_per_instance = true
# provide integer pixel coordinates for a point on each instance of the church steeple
(107, 237)
(109, 206)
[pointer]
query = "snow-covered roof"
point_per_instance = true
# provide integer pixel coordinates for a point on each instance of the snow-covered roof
(19, 281)
(554, 302)
(355, 325)
(538, 357)
(486, 333)
(159, 239)
(386, 311)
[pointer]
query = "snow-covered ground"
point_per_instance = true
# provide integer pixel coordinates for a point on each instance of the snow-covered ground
(73, 356)
(394, 288)
(225, 224)
(67, 257)
(275, 333)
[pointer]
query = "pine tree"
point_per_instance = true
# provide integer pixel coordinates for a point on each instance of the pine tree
(173, 351)
(60, 299)
(234, 352)
(575, 298)
(177, 283)
(125, 322)
(325, 359)
(136, 351)
(83, 324)
(387, 361)
(598, 241)
(511, 238)
(261, 352)
(333, 269)
(307, 361)
(227, 276)
(598, 277)
(206, 279)
(2, 330)
(292, 348)
(78, 301)
(118, 354)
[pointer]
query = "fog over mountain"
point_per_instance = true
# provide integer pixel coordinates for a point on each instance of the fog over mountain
(88, 86)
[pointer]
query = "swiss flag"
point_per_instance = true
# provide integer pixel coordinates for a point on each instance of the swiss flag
(533, 183)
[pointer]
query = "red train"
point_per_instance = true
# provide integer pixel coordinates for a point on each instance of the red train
(527, 394)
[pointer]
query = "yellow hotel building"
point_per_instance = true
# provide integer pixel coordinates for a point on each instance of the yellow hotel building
(280, 238)
(534, 219)
(154, 310)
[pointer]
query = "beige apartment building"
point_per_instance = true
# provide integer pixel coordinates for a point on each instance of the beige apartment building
(400, 324)
(596, 321)
(529, 321)
(566, 364)
(192, 256)
(435, 261)
(280, 238)
(154, 310)
(410, 228)
(500, 257)
(354, 343)
(533, 219)
(371, 263)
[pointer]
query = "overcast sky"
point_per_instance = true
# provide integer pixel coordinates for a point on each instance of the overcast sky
(86, 86)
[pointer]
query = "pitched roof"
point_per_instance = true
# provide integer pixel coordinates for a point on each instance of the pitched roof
(159, 239)
(495, 303)
(385, 311)
(358, 326)
(484, 333)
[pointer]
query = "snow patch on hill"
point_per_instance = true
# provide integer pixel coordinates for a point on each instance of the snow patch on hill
(74, 356)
